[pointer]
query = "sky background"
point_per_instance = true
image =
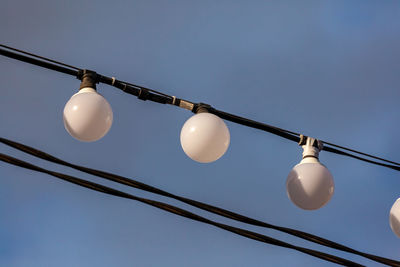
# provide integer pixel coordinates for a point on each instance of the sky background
(327, 69)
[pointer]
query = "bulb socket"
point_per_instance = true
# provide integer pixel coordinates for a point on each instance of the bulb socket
(88, 79)
(311, 147)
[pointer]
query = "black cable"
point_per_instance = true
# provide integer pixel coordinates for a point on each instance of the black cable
(37, 56)
(295, 137)
(194, 203)
(152, 95)
(178, 211)
(126, 87)
(336, 151)
(361, 153)
(257, 125)
(38, 62)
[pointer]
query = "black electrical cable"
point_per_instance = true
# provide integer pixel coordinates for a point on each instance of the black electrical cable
(38, 62)
(194, 203)
(257, 125)
(361, 153)
(37, 56)
(33, 61)
(336, 151)
(178, 211)
(152, 95)
(296, 138)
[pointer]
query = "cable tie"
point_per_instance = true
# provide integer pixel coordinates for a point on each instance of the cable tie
(173, 100)
(186, 104)
(113, 81)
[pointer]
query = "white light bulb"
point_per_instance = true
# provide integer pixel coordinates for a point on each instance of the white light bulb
(394, 217)
(87, 115)
(310, 184)
(205, 137)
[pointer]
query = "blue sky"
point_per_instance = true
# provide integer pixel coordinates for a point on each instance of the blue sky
(328, 69)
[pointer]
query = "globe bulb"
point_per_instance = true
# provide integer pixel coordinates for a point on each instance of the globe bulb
(87, 115)
(310, 184)
(205, 137)
(394, 217)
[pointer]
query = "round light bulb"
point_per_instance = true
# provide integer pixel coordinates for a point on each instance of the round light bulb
(87, 115)
(205, 137)
(394, 217)
(310, 184)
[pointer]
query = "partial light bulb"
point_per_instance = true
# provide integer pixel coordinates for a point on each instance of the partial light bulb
(87, 115)
(205, 137)
(394, 217)
(310, 184)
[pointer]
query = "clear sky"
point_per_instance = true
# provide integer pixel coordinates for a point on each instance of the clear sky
(327, 69)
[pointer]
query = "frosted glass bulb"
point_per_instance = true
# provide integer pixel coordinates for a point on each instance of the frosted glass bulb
(205, 137)
(87, 115)
(394, 217)
(310, 184)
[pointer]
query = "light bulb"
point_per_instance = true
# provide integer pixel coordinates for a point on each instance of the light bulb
(87, 115)
(310, 184)
(394, 217)
(205, 137)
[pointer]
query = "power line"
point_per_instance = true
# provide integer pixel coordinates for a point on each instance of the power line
(179, 211)
(37, 56)
(144, 93)
(38, 62)
(194, 203)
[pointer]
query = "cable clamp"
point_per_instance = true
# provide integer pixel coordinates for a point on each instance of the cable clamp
(306, 140)
(186, 104)
(143, 94)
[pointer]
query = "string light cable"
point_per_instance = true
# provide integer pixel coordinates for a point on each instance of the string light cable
(212, 209)
(144, 93)
(179, 211)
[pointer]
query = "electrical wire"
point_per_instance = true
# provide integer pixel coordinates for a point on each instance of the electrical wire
(361, 153)
(336, 151)
(178, 211)
(38, 62)
(257, 125)
(152, 95)
(296, 138)
(73, 67)
(216, 210)
(37, 56)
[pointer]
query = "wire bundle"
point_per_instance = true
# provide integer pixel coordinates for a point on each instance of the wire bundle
(178, 211)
